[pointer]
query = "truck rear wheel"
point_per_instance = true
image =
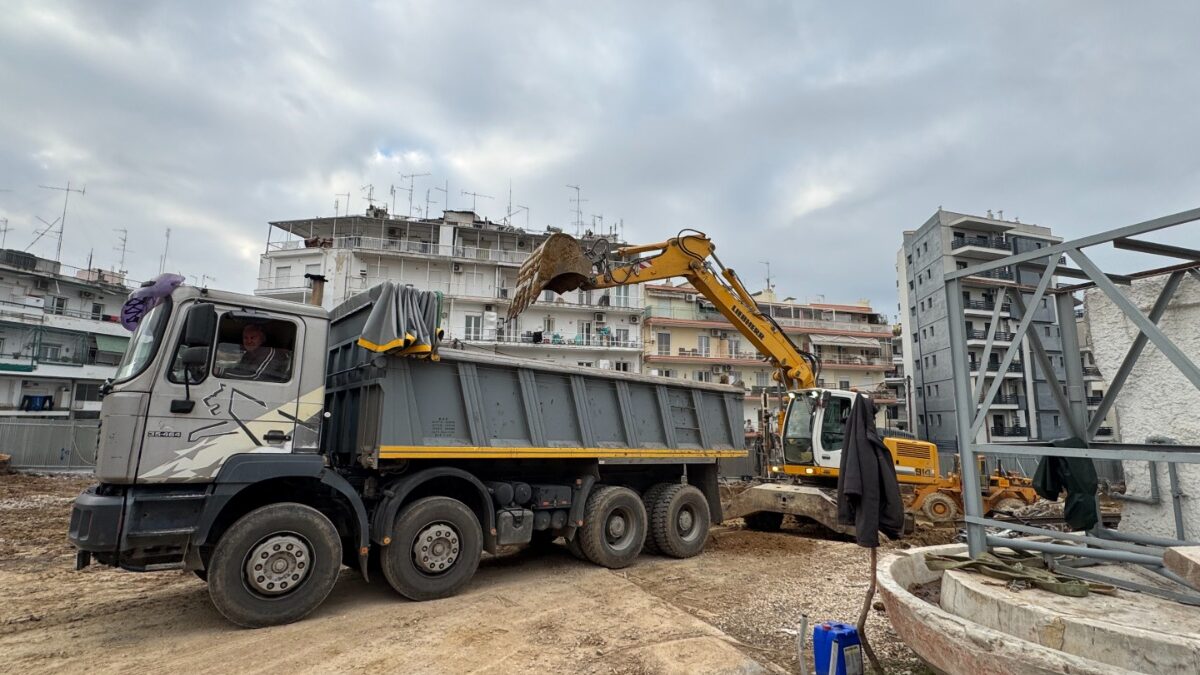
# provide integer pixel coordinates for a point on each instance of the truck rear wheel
(435, 549)
(679, 521)
(614, 527)
(650, 498)
(764, 521)
(274, 565)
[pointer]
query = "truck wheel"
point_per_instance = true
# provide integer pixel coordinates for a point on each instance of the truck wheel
(650, 498)
(764, 521)
(435, 549)
(679, 521)
(573, 547)
(274, 565)
(940, 508)
(614, 527)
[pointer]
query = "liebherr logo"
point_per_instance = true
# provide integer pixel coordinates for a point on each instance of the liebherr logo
(746, 320)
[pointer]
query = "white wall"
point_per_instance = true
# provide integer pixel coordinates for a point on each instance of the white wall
(1157, 399)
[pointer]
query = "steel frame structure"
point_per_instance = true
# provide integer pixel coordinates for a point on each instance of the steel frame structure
(973, 402)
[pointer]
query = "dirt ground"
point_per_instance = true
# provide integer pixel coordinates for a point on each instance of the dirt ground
(525, 611)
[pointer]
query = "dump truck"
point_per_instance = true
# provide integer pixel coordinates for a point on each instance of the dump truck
(265, 471)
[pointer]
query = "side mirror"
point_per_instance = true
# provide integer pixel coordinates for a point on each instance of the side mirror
(200, 327)
(194, 357)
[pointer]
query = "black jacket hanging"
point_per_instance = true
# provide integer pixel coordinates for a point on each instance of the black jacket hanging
(868, 493)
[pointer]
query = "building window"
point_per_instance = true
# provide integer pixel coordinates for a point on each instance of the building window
(97, 311)
(622, 366)
(473, 328)
(1047, 330)
(937, 391)
(922, 418)
(820, 382)
(623, 337)
(281, 276)
(49, 352)
(910, 285)
(960, 265)
(762, 378)
(1056, 420)
(934, 358)
(621, 296)
(664, 344)
(735, 347)
(57, 305)
(909, 258)
(667, 373)
(702, 345)
(584, 364)
(843, 384)
(86, 391)
(702, 376)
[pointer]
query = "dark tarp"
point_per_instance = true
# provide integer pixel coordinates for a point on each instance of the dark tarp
(403, 320)
(868, 494)
(1076, 475)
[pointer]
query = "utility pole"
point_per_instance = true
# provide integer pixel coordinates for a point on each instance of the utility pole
(162, 262)
(474, 196)
(63, 221)
(412, 177)
(124, 238)
(578, 208)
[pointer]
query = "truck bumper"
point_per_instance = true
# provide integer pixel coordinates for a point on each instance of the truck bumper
(135, 527)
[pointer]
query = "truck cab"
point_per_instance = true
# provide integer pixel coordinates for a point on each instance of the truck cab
(211, 380)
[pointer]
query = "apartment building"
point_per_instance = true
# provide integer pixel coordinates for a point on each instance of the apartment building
(1024, 408)
(899, 384)
(474, 262)
(60, 336)
(686, 337)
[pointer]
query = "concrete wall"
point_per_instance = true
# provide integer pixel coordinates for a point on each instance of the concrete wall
(1157, 399)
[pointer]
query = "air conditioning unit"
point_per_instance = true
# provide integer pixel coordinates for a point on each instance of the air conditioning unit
(634, 318)
(393, 231)
(41, 284)
(520, 243)
(717, 369)
(690, 297)
(488, 308)
(599, 317)
(716, 333)
(503, 293)
(458, 268)
(86, 294)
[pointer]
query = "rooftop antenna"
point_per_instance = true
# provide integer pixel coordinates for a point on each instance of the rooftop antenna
(123, 239)
(427, 201)
(412, 177)
(1000, 214)
(162, 262)
(474, 196)
(203, 279)
(46, 229)
(63, 221)
(3, 231)
(514, 211)
(600, 218)
(393, 191)
(578, 208)
(335, 203)
(526, 215)
(768, 264)
(370, 188)
(446, 191)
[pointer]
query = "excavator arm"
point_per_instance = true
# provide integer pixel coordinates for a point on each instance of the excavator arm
(562, 264)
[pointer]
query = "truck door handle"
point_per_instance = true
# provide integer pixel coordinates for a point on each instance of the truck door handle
(276, 436)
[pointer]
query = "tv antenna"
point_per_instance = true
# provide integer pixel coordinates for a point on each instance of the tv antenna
(445, 191)
(336, 202)
(370, 189)
(768, 264)
(162, 262)
(3, 231)
(474, 196)
(124, 238)
(578, 208)
(393, 193)
(412, 177)
(42, 233)
(63, 221)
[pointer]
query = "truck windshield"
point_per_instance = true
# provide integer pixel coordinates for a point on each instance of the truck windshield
(144, 343)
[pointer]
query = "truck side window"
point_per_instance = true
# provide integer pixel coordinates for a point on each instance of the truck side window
(257, 349)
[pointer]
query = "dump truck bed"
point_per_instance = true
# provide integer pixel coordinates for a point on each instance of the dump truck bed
(472, 404)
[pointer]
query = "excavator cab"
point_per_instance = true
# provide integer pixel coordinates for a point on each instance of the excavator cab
(813, 429)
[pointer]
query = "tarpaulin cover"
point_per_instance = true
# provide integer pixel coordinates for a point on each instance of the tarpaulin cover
(403, 321)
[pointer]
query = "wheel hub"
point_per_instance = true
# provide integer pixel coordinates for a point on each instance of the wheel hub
(435, 549)
(616, 526)
(278, 564)
(686, 520)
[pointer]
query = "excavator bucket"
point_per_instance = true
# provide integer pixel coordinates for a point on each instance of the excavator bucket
(557, 265)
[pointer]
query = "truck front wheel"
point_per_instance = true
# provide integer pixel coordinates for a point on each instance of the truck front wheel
(435, 549)
(274, 565)
(614, 527)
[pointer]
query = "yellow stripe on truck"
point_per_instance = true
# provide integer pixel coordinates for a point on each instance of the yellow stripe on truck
(477, 452)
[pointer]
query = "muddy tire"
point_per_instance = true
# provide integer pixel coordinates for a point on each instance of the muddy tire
(575, 549)
(940, 508)
(650, 498)
(764, 521)
(435, 549)
(1007, 505)
(274, 565)
(679, 521)
(614, 527)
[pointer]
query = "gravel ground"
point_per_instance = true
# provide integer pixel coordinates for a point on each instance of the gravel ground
(752, 586)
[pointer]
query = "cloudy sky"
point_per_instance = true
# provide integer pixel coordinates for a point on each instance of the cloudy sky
(806, 134)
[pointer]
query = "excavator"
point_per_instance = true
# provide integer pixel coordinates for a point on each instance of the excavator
(800, 473)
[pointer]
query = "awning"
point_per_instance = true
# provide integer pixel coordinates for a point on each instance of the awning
(111, 343)
(846, 341)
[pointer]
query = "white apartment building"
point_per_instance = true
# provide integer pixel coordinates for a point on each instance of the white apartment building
(60, 337)
(474, 263)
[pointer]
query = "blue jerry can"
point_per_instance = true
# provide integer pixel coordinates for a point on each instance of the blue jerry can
(836, 643)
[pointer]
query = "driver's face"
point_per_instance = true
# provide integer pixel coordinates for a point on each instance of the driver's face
(252, 338)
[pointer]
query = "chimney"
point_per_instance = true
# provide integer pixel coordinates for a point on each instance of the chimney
(318, 289)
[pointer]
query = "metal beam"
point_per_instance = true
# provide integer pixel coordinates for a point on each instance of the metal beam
(1157, 453)
(1098, 553)
(1083, 242)
(964, 403)
(1022, 328)
(1157, 249)
(1108, 544)
(1135, 351)
(987, 347)
(1039, 351)
(1068, 333)
(1160, 340)
(1069, 571)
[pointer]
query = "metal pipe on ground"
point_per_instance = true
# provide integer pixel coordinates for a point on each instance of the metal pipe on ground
(1100, 554)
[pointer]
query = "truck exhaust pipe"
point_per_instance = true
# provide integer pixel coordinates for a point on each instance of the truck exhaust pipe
(558, 265)
(318, 289)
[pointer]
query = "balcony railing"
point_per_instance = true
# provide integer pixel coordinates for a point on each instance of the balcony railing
(1009, 432)
(469, 253)
(1007, 399)
(844, 360)
(556, 340)
(1091, 370)
(1001, 273)
(699, 315)
(1001, 336)
(986, 305)
(1094, 400)
(1015, 367)
(997, 243)
(1104, 431)
(685, 353)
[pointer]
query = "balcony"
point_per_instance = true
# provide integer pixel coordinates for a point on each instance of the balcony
(713, 317)
(1014, 369)
(418, 248)
(1009, 401)
(842, 360)
(998, 244)
(557, 340)
(985, 306)
(1010, 432)
(1104, 432)
(1001, 274)
(981, 336)
(686, 355)
(1091, 371)
(1094, 401)
(893, 377)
